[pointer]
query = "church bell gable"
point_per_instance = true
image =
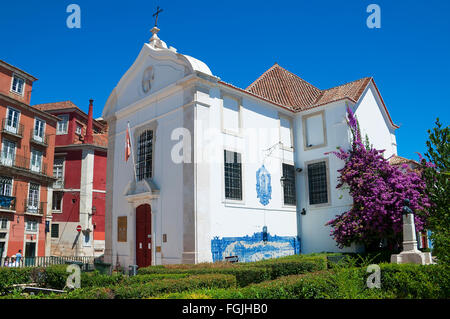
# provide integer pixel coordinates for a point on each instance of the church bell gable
(156, 67)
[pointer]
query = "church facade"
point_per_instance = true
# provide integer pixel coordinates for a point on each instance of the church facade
(221, 172)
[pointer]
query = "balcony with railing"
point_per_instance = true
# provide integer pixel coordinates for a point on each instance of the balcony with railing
(23, 163)
(37, 209)
(39, 140)
(7, 203)
(10, 129)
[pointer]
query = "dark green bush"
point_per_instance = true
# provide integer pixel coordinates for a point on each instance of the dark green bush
(55, 277)
(291, 266)
(397, 281)
(153, 288)
(416, 281)
(12, 276)
(248, 273)
(152, 277)
(95, 279)
(244, 275)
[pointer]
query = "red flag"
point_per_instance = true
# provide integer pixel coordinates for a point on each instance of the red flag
(127, 146)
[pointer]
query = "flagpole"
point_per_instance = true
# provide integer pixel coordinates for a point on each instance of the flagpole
(132, 153)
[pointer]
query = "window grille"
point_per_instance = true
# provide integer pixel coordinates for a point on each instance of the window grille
(289, 184)
(145, 155)
(317, 183)
(233, 175)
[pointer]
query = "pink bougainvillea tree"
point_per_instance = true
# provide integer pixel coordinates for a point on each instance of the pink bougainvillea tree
(378, 190)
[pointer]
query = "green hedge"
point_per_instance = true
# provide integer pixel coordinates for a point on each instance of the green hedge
(244, 275)
(155, 287)
(293, 266)
(12, 276)
(397, 281)
(247, 273)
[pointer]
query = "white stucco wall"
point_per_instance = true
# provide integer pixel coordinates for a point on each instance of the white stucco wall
(260, 130)
(374, 122)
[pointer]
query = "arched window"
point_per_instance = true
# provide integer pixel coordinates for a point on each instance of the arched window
(145, 155)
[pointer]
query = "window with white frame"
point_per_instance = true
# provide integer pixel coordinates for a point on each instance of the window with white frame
(5, 186)
(58, 172)
(314, 130)
(61, 127)
(231, 116)
(33, 198)
(78, 130)
(12, 120)
(57, 201)
(8, 152)
(3, 223)
(39, 128)
(286, 132)
(31, 225)
(18, 84)
(36, 161)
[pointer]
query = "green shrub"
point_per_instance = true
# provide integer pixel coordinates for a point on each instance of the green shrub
(153, 288)
(152, 277)
(397, 281)
(416, 281)
(293, 266)
(12, 276)
(248, 273)
(95, 279)
(54, 277)
(244, 275)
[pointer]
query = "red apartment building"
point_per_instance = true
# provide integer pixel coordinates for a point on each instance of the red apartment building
(27, 137)
(79, 191)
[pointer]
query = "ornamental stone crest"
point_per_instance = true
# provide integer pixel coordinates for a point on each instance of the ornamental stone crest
(263, 185)
(147, 79)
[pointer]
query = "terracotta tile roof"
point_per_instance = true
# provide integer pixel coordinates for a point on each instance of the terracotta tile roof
(352, 90)
(283, 87)
(57, 106)
(398, 160)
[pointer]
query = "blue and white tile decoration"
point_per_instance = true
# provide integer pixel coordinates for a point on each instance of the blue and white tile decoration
(253, 248)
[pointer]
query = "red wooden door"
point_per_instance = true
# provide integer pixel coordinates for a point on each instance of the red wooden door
(143, 236)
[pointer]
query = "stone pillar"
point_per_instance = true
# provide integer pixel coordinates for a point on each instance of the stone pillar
(410, 253)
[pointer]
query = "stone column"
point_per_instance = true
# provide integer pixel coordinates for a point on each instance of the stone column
(410, 253)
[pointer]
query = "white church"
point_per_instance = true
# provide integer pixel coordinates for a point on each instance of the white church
(221, 172)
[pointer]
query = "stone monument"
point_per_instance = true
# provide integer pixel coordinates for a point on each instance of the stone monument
(410, 253)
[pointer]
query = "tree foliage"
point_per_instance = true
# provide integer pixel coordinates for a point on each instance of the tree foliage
(437, 176)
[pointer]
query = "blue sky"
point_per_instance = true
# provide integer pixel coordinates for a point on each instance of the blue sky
(325, 42)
